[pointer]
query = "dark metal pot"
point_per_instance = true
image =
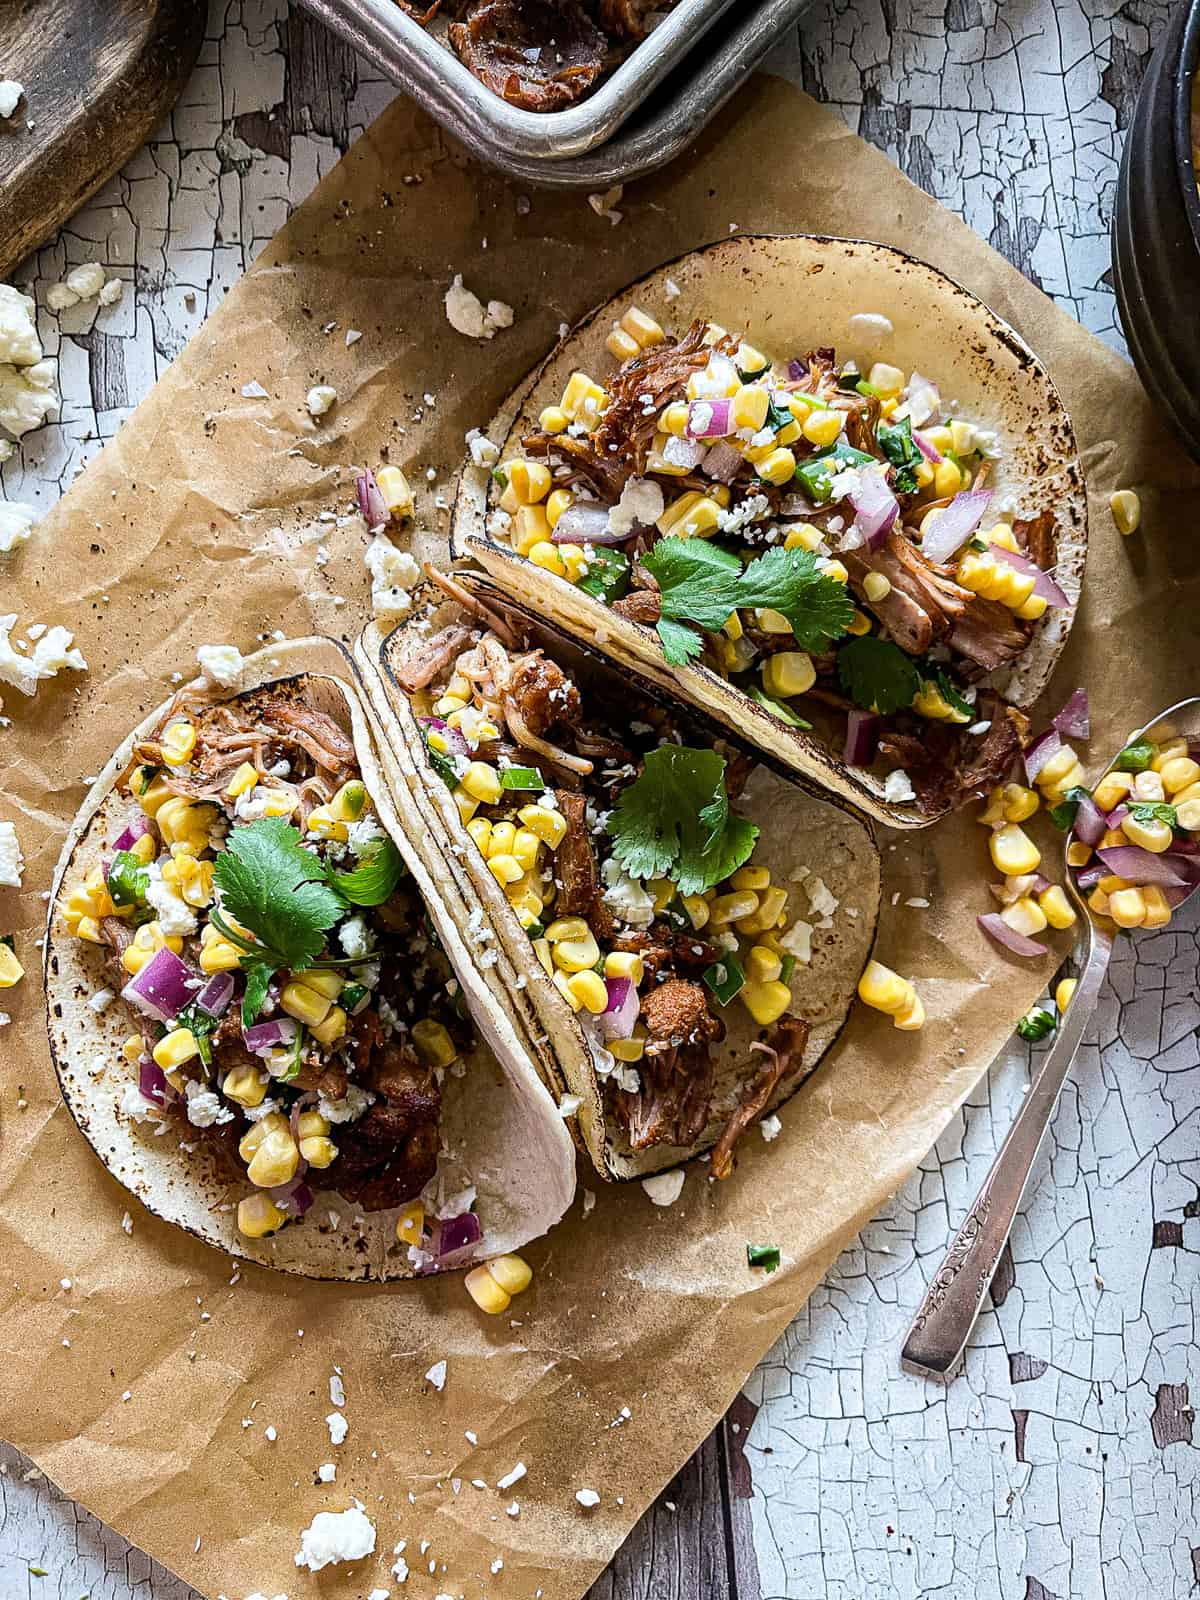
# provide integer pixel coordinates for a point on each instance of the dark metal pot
(1156, 232)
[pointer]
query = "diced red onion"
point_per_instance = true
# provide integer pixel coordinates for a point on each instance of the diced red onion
(457, 744)
(1184, 847)
(1090, 822)
(721, 462)
(1045, 586)
(1090, 876)
(454, 1240)
(216, 994)
(152, 1081)
(875, 507)
(371, 503)
(1140, 866)
(262, 1037)
(710, 419)
(1040, 883)
(955, 524)
(1044, 748)
(586, 522)
(685, 453)
(1115, 818)
(862, 737)
(921, 399)
(162, 988)
(294, 1197)
(1074, 720)
(137, 828)
(931, 453)
(994, 925)
(617, 1022)
(1176, 897)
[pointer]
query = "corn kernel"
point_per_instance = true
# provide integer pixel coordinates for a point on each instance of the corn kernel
(771, 905)
(1148, 787)
(397, 496)
(1098, 901)
(1127, 908)
(1024, 916)
(834, 569)
(1033, 608)
(176, 1047)
(1065, 993)
(932, 703)
(1013, 851)
(433, 1043)
(697, 910)
(559, 501)
(749, 877)
(876, 586)
(530, 528)
(219, 956)
(574, 955)
(620, 344)
(1111, 790)
(887, 381)
(1057, 767)
(642, 327)
(766, 1002)
(884, 989)
(583, 399)
(306, 1005)
(822, 428)
(803, 537)
(1019, 802)
(322, 824)
(1078, 853)
(545, 555)
(486, 1292)
(549, 826)
(1126, 508)
(512, 1273)
(253, 1137)
(1179, 773)
(699, 521)
(525, 847)
(778, 467)
(503, 837)
(11, 970)
(481, 782)
(625, 964)
(178, 742)
(332, 1029)
(727, 908)
(1151, 835)
(133, 1049)
(860, 624)
(530, 480)
(410, 1224)
(553, 420)
(1059, 911)
(1158, 907)
(275, 1160)
(89, 929)
(590, 989)
(258, 1215)
(1073, 778)
(1187, 813)
(152, 795)
(762, 965)
(505, 868)
(912, 1018)
(788, 673)
(628, 1050)
(480, 829)
(319, 1150)
(246, 1085)
(574, 560)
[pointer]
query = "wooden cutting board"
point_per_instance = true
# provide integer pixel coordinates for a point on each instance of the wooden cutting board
(99, 76)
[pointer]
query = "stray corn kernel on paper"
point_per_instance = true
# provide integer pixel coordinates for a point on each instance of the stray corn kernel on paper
(198, 525)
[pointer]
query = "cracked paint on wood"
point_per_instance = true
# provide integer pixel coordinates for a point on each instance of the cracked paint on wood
(1061, 1465)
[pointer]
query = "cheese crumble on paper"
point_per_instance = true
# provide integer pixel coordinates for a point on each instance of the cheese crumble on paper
(467, 314)
(221, 665)
(664, 1188)
(51, 654)
(336, 1536)
(16, 524)
(12, 862)
(393, 572)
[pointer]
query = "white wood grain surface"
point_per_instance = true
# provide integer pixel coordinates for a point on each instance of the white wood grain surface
(1063, 1463)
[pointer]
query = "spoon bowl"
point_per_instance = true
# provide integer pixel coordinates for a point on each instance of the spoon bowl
(939, 1332)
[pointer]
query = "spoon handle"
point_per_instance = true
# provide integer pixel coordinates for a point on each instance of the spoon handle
(940, 1330)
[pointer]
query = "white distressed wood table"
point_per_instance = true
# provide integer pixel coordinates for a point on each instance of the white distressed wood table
(1063, 1463)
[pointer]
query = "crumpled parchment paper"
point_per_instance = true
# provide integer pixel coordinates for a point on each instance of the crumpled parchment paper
(201, 523)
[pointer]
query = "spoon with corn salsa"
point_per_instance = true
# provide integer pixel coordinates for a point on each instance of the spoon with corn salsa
(1132, 858)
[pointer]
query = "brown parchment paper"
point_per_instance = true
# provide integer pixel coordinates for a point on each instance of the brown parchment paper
(200, 524)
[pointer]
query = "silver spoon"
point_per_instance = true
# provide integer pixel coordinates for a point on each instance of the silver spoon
(939, 1333)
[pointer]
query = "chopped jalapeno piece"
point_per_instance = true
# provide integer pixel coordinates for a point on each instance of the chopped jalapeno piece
(521, 778)
(607, 576)
(815, 475)
(725, 979)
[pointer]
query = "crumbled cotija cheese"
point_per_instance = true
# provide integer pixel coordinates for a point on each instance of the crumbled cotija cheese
(466, 313)
(16, 524)
(12, 862)
(335, 1536)
(393, 572)
(11, 93)
(221, 664)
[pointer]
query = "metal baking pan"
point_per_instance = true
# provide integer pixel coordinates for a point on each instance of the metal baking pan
(666, 125)
(425, 67)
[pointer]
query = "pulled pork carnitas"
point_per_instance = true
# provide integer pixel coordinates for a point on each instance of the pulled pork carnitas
(287, 1005)
(820, 535)
(619, 850)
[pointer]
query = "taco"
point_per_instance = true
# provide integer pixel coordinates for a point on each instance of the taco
(262, 1016)
(813, 487)
(690, 925)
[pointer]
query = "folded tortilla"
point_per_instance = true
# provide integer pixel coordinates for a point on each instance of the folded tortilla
(790, 294)
(801, 837)
(501, 1132)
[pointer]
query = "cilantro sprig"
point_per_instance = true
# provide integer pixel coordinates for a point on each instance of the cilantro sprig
(877, 675)
(901, 449)
(288, 899)
(674, 821)
(701, 585)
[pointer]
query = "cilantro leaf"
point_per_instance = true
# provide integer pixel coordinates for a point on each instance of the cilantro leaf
(877, 675)
(258, 980)
(680, 643)
(674, 821)
(901, 449)
(379, 870)
(702, 584)
(201, 1026)
(1155, 811)
(278, 891)
(777, 708)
